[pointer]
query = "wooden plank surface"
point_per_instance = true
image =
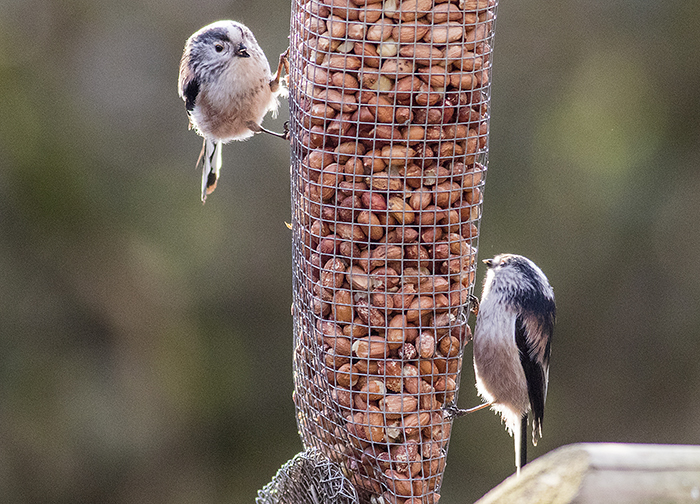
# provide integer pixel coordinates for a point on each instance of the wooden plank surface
(602, 473)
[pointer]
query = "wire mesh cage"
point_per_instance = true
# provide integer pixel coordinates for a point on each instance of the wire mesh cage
(389, 106)
(309, 478)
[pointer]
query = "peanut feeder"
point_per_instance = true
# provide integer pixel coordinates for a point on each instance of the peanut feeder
(390, 119)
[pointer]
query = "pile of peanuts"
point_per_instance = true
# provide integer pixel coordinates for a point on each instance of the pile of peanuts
(389, 101)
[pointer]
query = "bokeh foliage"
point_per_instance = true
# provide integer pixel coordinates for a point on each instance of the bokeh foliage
(145, 339)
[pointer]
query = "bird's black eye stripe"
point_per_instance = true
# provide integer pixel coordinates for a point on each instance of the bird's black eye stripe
(216, 36)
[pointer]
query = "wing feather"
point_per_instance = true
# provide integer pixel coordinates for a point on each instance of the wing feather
(190, 92)
(535, 361)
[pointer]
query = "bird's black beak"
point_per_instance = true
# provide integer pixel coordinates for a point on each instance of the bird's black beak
(488, 262)
(243, 52)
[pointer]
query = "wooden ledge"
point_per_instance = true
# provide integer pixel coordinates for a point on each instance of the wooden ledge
(601, 473)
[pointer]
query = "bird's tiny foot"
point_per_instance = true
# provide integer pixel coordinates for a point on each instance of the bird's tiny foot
(474, 304)
(253, 126)
(284, 61)
(451, 411)
(277, 78)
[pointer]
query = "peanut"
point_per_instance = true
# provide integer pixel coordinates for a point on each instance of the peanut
(401, 211)
(347, 375)
(395, 406)
(374, 429)
(407, 33)
(372, 347)
(419, 307)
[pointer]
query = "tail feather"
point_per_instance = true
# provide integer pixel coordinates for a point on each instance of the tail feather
(520, 439)
(210, 159)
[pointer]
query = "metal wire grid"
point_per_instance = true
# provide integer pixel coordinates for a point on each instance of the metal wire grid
(308, 478)
(389, 110)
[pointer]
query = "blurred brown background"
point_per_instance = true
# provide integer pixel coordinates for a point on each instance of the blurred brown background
(145, 339)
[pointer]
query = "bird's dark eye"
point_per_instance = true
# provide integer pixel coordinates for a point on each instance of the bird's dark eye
(219, 47)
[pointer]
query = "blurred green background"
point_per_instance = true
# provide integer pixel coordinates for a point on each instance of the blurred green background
(145, 339)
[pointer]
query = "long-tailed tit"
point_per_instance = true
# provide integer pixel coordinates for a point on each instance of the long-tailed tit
(228, 88)
(512, 342)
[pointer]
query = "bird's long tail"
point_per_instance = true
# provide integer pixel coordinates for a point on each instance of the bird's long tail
(520, 439)
(210, 159)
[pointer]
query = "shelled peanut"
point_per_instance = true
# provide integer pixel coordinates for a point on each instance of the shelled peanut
(390, 101)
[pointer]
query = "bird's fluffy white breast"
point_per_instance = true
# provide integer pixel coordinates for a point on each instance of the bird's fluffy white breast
(499, 373)
(241, 94)
(243, 77)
